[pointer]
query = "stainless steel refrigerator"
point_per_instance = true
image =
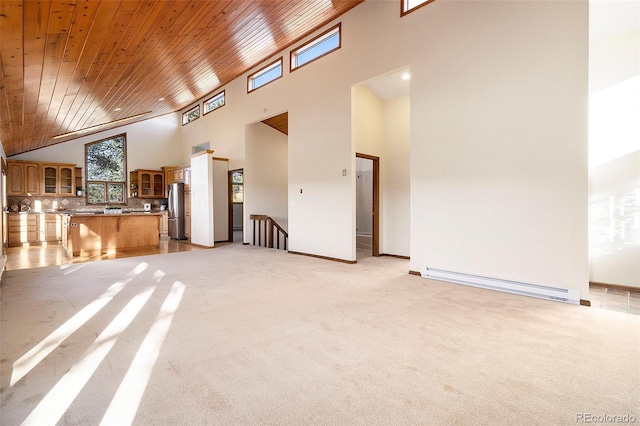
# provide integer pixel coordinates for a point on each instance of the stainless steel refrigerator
(176, 211)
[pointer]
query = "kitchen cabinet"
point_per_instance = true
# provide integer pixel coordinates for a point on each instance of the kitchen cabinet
(23, 178)
(23, 228)
(33, 178)
(50, 227)
(33, 228)
(65, 221)
(178, 174)
(168, 178)
(187, 214)
(164, 224)
(78, 176)
(58, 179)
(147, 184)
(93, 234)
(187, 178)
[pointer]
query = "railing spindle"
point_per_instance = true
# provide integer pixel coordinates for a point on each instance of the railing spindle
(269, 229)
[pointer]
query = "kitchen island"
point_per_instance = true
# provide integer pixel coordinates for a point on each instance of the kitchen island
(90, 234)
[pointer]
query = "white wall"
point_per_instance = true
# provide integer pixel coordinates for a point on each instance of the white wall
(367, 137)
(381, 128)
(265, 176)
(499, 141)
(395, 178)
(498, 115)
(498, 135)
(151, 144)
(224, 128)
(202, 213)
(367, 133)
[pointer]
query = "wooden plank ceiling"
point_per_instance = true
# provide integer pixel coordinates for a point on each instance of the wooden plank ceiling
(279, 122)
(82, 65)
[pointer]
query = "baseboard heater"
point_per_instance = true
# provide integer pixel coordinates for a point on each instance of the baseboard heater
(566, 295)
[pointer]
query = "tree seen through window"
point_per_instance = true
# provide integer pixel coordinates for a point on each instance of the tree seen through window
(106, 170)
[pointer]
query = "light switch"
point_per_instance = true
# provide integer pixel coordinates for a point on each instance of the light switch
(344, 172)
(301, 190)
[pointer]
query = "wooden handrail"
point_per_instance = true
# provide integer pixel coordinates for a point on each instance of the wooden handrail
(267, 228)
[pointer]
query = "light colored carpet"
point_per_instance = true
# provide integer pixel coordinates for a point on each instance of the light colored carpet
(257, 336)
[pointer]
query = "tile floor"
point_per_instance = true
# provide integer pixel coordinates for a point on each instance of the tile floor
(50, 254)
(615, 299)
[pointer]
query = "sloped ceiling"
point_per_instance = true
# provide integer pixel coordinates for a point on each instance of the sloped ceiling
(71, 68)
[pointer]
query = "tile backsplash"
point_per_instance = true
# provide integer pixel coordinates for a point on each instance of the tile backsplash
(46, 204)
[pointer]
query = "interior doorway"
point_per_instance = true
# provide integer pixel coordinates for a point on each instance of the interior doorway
(367, 206)
(236, 204)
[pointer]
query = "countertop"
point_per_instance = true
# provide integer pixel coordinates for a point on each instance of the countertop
(98, 213)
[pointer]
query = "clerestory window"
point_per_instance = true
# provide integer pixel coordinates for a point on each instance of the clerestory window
(191, 115)
(320, 46)
(407, 6)
(264, 76)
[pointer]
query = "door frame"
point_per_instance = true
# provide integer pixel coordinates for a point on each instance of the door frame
(375, 233)
(231, 202)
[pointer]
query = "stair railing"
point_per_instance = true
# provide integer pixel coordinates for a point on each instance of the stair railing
(267, 232)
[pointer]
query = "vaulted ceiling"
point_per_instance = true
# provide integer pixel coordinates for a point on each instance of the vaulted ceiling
(74, 67)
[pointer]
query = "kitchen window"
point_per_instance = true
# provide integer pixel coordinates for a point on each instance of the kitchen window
(106, 165)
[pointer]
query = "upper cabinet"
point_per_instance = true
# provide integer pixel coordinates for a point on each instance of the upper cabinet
(35, 178)
(168, 175)
(23, 178)
(58, 179)
(147, 183)
(180, 174)
(183, 174)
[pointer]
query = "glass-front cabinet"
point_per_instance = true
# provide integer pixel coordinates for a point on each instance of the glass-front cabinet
(33, 178)
(58, 180)
(50, 183)
(147, 183)
(67, 183)
(158, 185)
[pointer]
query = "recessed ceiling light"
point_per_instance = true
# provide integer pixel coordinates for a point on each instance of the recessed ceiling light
(406, 76)
(117, 109)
